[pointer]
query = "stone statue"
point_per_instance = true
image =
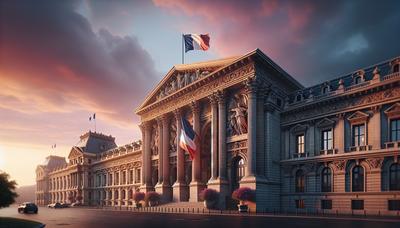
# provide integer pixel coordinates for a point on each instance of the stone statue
(238, 114)
(173, 86)
(186, 79)
(172, 138)
(180, 81)
(154, 141)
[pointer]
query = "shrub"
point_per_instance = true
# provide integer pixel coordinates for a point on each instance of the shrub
(152, 197)
(138, 196)
(209, 194)
(79, 198)
(244, 194)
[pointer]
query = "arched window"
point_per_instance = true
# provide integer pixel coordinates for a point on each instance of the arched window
(298, 98)
(326, 180)
(394, 177)
(357, 178)
(300, 181)
(325, 89)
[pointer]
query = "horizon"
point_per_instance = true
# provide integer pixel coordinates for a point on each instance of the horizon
(60, 62)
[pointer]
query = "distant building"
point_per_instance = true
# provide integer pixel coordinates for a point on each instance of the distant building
(333, 146)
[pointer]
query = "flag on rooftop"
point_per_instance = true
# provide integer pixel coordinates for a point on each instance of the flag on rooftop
(196, 42)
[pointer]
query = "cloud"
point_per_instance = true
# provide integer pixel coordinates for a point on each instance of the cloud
(312, 40)
(51, 60)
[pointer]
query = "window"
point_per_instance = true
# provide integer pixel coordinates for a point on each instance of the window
(298, 98)
(131, 176)
(240, 169)
(359, 135)
(325, 89)
(123, 177)
(327, 140)
(110, 179)
(396, 68)
(300, 181)
(357, 204)
(357, 179)
(326, 204)
(394, 177)
(299, 204)
(394, 205)
(395, 130)
(116, 179)
(357, 80)
(300, 144)
(326, 180)
(137, 176)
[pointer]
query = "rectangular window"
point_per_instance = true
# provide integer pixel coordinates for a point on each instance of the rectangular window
(131, 177)
(394, 205)
(299, 204)
(357, 204)
(116, 179)
(327, 140)
(123, 177)
(300, 144)
(359, 135)
(137, 176)
(110, 179)
(395, 130)
(326, 204)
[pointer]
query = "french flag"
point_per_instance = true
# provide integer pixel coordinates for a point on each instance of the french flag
(187, 139)
(196, 42)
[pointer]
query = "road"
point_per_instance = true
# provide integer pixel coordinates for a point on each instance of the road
(84, 217)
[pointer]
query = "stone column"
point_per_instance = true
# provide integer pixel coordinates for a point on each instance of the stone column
(146, 158)
(160, 151)
(167, 190)
(196, 186)
(220, 184)
(214, 137)
(180, 190)
(222, 135)
(251, 87)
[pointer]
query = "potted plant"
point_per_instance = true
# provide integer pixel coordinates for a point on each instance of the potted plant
(137, 197)
(244, 195)
(210, 197)
(153, 198)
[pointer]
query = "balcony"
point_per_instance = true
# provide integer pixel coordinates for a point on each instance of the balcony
(299, 155)
(391, 76)
(328, 152)
(360, 148)
(389, 145)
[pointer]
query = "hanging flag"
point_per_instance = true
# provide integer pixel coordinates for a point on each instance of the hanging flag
(196, 42)
(187, 139)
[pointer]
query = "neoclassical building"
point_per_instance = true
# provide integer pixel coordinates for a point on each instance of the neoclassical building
(332, 146)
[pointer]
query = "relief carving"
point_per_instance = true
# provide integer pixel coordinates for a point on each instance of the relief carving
(339, 164)
(154, 140)
(172, 138)
(237, 116)
(374, 163)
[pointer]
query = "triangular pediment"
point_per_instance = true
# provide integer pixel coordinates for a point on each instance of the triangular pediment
(393, 110)
(183, 75)
(75, 152)
(299, 128)
(358, 117)
(325, 123)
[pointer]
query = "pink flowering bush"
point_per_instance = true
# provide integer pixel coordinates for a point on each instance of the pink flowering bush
(244, 194)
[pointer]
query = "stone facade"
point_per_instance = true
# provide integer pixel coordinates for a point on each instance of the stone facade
(333, 146)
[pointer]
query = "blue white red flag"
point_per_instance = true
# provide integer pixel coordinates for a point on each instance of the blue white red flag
(187, 139)
(196, 42)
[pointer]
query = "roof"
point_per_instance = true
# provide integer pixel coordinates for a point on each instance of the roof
(218, 65)
(93, 142)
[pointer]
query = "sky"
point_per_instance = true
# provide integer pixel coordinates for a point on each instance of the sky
(62, 61)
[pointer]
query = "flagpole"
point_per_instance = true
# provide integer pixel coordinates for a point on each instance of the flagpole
(183, 54)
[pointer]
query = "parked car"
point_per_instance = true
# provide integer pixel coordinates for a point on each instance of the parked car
(65, 205)
(54, 205)
(28, 207)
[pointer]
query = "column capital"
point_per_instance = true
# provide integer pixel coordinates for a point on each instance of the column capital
(213, 99)
(220, 96)
(195, 106)
(165, 119)
(251, 85)
(178, 113)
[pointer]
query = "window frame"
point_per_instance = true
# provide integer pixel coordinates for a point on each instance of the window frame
(329, 186)
(325, 142)
(302, 144)
(300, 181)
(353, 134)
(397, 130)
(394, 185)
(353, 189)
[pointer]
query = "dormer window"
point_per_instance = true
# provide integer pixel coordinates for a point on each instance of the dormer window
(396, 68)
(298, 98)
(357, 80)
(325, 89)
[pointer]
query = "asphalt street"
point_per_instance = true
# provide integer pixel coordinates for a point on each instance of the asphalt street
(84, 217)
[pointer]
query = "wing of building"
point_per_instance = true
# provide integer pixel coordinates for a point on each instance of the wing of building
(332, 146)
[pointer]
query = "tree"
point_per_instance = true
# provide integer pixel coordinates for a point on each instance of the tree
(7, 190)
